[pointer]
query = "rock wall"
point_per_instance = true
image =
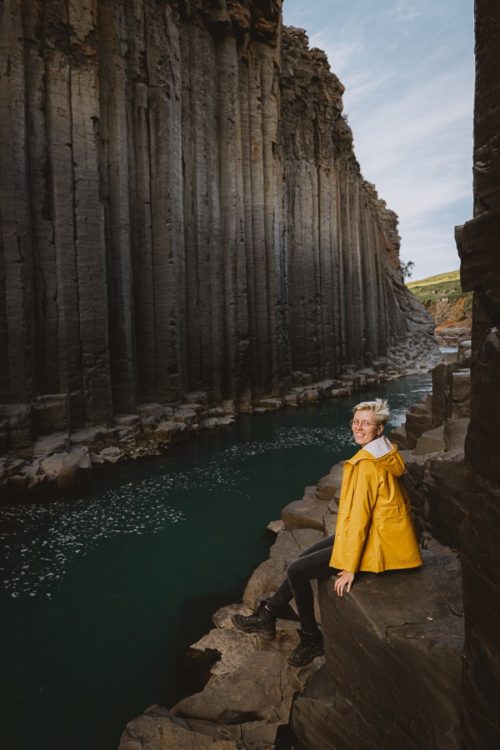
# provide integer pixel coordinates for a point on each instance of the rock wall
(393, 661)
(480, 271)
(181, 209)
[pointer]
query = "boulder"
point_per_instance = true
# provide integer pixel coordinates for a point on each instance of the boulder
(232, 646)
(304, 514)
(58, 442)
(250, 692)
(88, 435)
(110, 455)
(325, 386)
(399, 438)
(128, 420)
(153, 409)
(268, 404)
(275, 527)
(393, 662)
(329, 485)
(65, 468)
(418, 421)
(330, 519)
(290, 544)
(464, 350)
(339, 392)
(211, 423)
(431, 441)
(158, 729)
(78, 458)
(170, 431)
(256, 695)
(187, 415)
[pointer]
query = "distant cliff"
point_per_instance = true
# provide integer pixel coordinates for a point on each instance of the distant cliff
(448, 305)
(181, 210)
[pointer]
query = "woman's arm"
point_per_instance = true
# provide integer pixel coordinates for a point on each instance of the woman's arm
(353, 525)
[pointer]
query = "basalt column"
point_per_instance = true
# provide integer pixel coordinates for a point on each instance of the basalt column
(342, 243)
(478, 243)
(16, 235)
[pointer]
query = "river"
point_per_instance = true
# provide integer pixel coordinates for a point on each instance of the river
(102, 595)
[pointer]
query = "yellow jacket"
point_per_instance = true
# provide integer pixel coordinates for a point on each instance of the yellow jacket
(374, 527)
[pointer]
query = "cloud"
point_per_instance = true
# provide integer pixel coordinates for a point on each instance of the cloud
(407, 10)
(408, 71)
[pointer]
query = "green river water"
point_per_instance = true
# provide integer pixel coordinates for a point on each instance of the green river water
(102, 595)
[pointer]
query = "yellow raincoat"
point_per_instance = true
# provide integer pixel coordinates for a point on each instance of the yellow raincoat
(374, 527)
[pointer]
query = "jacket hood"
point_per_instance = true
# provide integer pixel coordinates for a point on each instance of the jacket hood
(385, 454)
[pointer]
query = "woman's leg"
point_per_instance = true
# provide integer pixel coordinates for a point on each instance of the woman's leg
(312, 563)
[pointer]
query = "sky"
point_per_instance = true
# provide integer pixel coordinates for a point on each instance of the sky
(408, 70)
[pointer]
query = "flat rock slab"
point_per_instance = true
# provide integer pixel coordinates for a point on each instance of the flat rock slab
(232, 646)
(393, 656)
(304, 514)
(156, 729)
(329, 485)
(48, 444)
(455, 432)
(290, 544)
(251, 692)
(431, 441)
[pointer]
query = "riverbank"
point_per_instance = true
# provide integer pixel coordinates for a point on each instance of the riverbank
(61, 462)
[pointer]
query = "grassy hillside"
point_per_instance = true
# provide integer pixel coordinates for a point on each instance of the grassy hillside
(449, 306)
(445, 287)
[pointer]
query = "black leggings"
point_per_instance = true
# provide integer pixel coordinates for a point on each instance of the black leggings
(312, 563)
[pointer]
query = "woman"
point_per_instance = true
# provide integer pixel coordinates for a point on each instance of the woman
(374, 533)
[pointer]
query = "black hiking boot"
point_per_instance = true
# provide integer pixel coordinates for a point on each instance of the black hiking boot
(263, 623)
(309, 647)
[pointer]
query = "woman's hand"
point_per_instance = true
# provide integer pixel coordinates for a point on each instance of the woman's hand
(343, 582)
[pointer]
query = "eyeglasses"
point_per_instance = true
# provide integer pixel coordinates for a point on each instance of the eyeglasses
(362, 423)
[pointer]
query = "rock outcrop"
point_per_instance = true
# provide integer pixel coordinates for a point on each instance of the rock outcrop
(393, 662)
(477, 243)
(181, 210)
(449, 306)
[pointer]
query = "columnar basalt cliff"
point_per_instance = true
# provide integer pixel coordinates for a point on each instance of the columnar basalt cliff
(478, 242)
(180, 210)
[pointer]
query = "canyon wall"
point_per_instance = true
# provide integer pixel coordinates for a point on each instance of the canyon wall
(180, 210)
(480, 272)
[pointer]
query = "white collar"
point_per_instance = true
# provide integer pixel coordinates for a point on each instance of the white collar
(378, 447)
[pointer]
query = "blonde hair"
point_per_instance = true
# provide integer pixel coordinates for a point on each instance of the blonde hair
(379, 407)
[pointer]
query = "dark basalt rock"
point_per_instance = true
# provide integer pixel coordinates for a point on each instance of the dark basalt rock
(393, 662)
(182, 211)
(477, 244)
